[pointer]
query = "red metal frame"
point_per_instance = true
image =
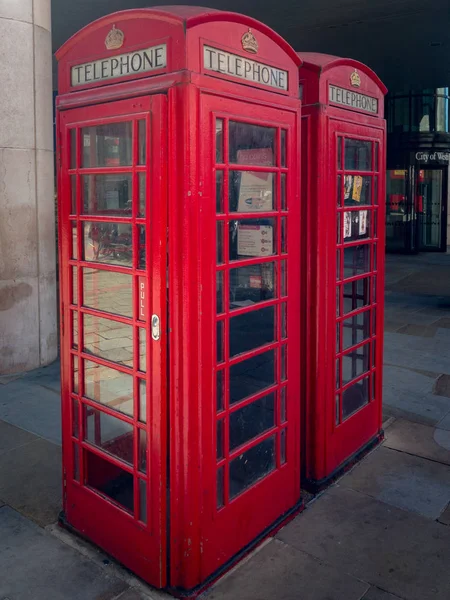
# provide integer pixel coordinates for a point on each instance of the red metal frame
(330, 439)
(188, 539)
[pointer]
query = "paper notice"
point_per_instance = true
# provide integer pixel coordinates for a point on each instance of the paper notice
(357, 187)
(362, 222)
(347, 224)
(255, 240)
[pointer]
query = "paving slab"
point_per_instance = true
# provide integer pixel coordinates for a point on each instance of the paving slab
(49, 376)
(12, 437)
(418, 407)
(442, 386)
(31, 480)
(280, 571)
(377, 594)
(445, 517)
(36, 566)
(417, 439)
(426, 331)
(400, 552)
(399, 479)
(405, 379)
(444, 423)
(31, 407)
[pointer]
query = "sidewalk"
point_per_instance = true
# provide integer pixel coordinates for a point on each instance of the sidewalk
(382, 532)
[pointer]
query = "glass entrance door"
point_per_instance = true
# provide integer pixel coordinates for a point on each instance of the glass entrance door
(113, 265)
(431, 201)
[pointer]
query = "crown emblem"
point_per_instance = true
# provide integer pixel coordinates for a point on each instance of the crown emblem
(249, 42)
(114, 39)
(355, 79)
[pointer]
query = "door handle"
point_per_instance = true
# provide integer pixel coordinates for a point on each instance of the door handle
(156, 328)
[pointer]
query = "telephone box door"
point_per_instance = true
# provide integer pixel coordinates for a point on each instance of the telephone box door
(113, 282)
(358, 156)
(249, 163)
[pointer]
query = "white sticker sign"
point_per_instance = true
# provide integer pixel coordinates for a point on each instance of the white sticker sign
(255, 240)
(244, 68)
(131, 63)
(352, 99)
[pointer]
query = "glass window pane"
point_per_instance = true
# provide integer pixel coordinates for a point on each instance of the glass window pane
(338, 301)
(284, 205)
(142, 450)
(219, 243)
(108, 243)
(219, 292)
(107, 145)
(73, 194)
(339, 153)
(283, 148)
(74, 285)
(75, 330)
(283, 446)
(220, 341)
(76, 462)
(252, 465)
(219, 140)
(357, 225)
(338, 337)
(108, 339)
(74, 240)
(338, 265)
(110, 480)
(251, 191)
(356, 260)
(220, 439)
(357, 190)
(109, 387)
(75, 381)
(106, 195)
(142, 142)
(142, 262)
(250, 421)
(75, 419)
(283, 358)
(253, 284)
(142, 182)
(284, 288)
(251, 376)
(356, 294)
(108, 291)
(251, 238)
(251, 144)
(283, 404)
(142, 401)
(142, 500)
(220, 487)
(252, 330)
(219, 192)
(142, 333)
(109, 433)
(356, 329)
(283, 320)
(73, 148)
(283, 235)
(358, 155)
(355, 363)
(354, 397)
(220, 390)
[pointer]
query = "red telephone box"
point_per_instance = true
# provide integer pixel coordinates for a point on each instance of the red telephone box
(179, 220)
(343, 199)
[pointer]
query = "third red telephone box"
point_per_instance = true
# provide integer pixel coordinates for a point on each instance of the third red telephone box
(343, 192)
(179, 221)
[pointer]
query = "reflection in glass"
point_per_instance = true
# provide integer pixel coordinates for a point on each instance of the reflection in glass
(219, 191)
(251, 238)
(220, 487)
(110, 480)
(74, 240)
(251, 376)
(252, 284)
(338, 337)
(73, 148)
(106, 195)
(75, 418)
(338, 373)
(283, 404)
(283, 192)
(219, 292)
(356, 294)
(283, 362)
(358, 155)
(354, 397)
(284, 289)
(220, 341)
(338, 265)
(109, 243)
(109, 387)
(142, 401)
(374, 352)
(252, 465)
(142, 262)
(219, 439)
(108, 291)
(73, 192)
(75, 330)
(108, 339)
(142, 181)
(251, 191)
(251, 144)
(219, 390)
(356, 260)
(142, 333)
(75, 374)
(251, 420)
(142, 500)
(252, 330)
(339, 190)
(219, 242)
(339, 153)
(283, 148)
(107, 145)
(76, 462)
(338, 228)
(283, 320)
(283, 235)
(74, 285)
(219, 140)
(356, 225)
(356, 329)
(355, 363)
(142, 450)
(142, 142)
(110, 434)
(283, 446)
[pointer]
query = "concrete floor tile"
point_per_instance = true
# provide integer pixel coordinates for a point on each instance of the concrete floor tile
(416, 439)
(426, 331)
(377, 594)
(399, 479)
(393, 549)
(444, 423)
(418, 407)
(407, 380)
(280, 571)
(12, 437)
(393, 325)
(36, 566)
(31, 480)
(444, 518)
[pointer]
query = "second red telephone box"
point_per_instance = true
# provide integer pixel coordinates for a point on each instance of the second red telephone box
(343, 191)
(178, 221)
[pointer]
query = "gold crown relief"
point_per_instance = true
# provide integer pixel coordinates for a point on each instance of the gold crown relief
(114, 39)
(249, 42)
(355, 79)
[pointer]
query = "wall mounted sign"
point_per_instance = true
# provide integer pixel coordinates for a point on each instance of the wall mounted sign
(131, 63)
(244, 68)
(351, 99)
(433, 156)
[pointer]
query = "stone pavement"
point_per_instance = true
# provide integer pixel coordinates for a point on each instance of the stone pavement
(382, 532)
